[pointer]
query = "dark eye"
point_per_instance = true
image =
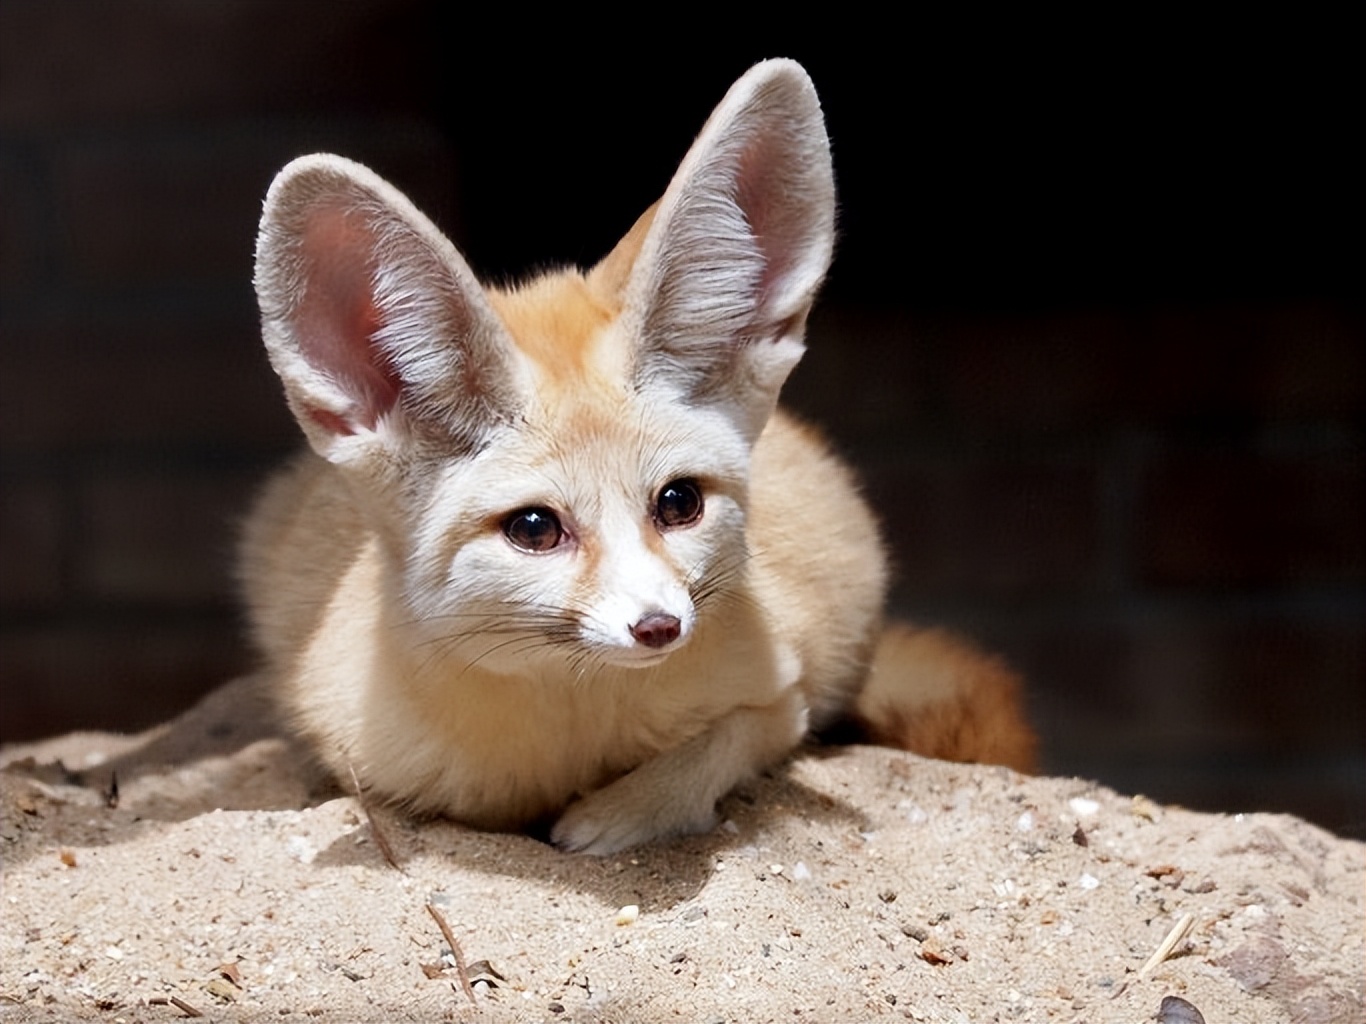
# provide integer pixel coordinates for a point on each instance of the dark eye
(679, 503)
(533, 529)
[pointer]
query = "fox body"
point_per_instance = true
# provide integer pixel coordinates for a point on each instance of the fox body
(554, 553)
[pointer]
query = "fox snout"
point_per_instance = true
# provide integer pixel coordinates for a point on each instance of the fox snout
(640, 631)
(642, 611)
(658, 629)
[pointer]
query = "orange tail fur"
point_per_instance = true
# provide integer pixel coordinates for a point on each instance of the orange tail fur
(936, 695)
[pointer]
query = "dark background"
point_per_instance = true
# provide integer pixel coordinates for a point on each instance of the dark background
(1095, 335)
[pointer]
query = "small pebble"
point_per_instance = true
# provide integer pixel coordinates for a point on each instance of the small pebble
(301, 849)
(1083, 806)
(1175, 1010)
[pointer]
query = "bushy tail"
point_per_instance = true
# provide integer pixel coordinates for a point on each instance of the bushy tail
(936, 695)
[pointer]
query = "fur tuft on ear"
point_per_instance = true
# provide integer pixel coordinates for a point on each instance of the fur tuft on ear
(738, 247)
(374, 323)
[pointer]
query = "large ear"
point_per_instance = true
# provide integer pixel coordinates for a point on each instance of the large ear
(377, 327)
(737, 247)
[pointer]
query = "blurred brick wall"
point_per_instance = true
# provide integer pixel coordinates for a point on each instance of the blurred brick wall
(1160, 515)
(1152, 502)
(137, 411)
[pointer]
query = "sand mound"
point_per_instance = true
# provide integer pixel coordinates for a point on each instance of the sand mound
(856, 883)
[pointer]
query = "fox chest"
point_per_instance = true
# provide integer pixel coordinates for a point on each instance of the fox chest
(518, 751)
(498, 751)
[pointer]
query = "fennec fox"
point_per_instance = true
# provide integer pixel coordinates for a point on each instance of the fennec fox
(554, 556)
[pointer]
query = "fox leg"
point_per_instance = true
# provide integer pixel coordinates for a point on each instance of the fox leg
(675, 793)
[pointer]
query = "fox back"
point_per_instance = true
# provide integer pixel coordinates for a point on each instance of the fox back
(554, 554)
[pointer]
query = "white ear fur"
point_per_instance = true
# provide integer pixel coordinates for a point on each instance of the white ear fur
(737, 248)
(374, 323)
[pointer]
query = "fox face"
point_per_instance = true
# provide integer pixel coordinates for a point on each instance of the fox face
(597, 531)
(560, 470)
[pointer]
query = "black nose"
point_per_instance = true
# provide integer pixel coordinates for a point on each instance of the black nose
(657, 629)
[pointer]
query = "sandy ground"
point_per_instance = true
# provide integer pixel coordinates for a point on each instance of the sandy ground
(855, 884)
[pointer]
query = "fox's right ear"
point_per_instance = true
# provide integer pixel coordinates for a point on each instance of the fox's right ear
(375, 324)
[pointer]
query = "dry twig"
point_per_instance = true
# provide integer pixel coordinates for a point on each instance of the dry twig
(380, 840)
(184, 1007)
(456, 951)
(1178, 932)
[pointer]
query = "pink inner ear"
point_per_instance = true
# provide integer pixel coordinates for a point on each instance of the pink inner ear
(337, 318)
(758, 192)
(330, 421)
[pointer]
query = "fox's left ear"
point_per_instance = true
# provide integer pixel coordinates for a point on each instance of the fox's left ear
(731, 260)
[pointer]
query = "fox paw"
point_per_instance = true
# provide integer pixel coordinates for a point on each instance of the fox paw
(599, 825)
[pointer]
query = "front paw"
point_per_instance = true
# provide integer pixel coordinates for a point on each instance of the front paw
(604, 822)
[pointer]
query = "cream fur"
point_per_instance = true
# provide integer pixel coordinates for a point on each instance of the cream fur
(414, 643)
